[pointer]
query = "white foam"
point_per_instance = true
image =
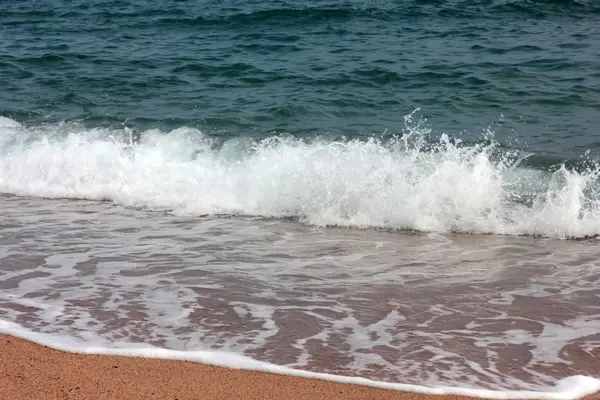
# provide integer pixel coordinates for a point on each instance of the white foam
(8, 123)
(399, 184)
(573, 387)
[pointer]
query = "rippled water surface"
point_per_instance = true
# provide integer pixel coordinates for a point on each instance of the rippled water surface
(529, 69)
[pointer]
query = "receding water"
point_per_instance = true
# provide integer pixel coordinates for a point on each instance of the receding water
(477, 311)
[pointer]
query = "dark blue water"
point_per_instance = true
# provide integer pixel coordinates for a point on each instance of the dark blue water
(527, 69)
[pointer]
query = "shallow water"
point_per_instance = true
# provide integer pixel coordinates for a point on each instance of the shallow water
(475, 311)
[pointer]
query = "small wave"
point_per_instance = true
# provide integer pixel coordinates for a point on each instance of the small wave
(407, 182)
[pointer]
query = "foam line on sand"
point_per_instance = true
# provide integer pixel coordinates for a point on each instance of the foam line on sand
(157, 367)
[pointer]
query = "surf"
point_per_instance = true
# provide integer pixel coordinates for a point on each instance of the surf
(409, 181)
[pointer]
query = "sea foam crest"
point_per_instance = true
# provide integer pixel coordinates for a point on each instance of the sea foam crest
(406, 182)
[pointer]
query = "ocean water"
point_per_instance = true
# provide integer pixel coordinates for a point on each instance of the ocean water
(403, 193)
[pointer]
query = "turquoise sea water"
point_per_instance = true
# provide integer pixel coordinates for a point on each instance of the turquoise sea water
(404, 190)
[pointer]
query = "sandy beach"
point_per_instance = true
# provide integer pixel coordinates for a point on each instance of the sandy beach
(29, 371)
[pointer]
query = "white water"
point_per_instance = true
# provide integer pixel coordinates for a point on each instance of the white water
(397, 185)
(573, 387)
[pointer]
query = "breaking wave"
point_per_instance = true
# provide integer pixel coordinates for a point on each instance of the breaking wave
(406, 182)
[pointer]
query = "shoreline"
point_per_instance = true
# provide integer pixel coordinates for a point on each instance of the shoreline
(32, 371)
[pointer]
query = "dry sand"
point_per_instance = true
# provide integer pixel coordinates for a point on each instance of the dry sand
(29, 371)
